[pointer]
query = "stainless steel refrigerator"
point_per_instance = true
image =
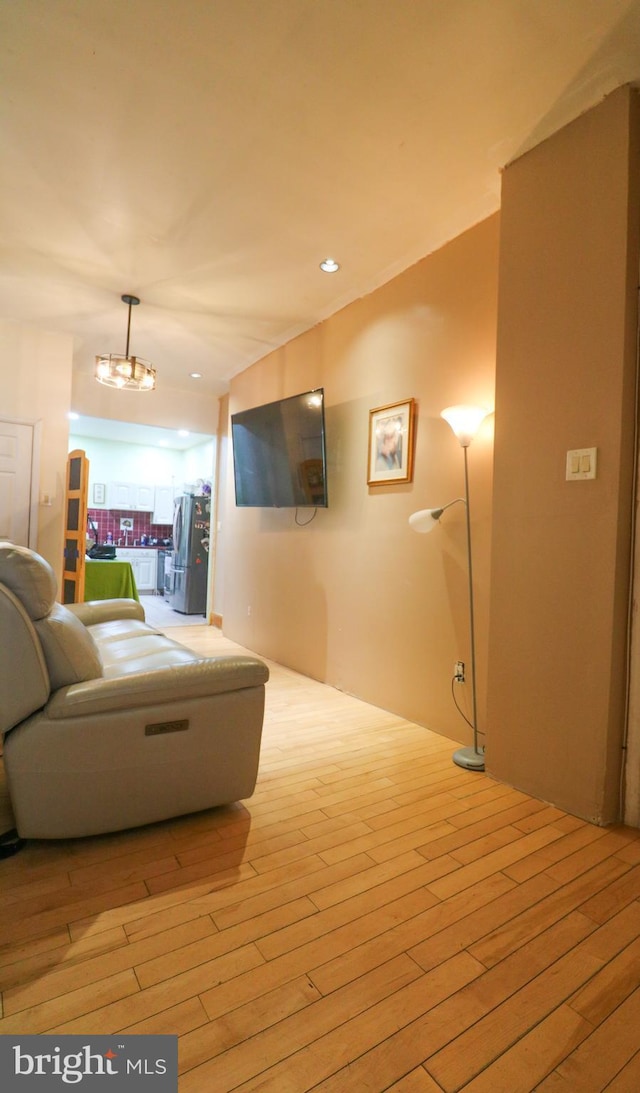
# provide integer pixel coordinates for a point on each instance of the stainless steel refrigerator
(190, 560)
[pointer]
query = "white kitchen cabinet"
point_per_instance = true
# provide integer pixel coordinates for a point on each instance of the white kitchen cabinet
(144, 497)
(119, 495)
(146, 572)
(163, 506)
(144, 564)
(130, 496)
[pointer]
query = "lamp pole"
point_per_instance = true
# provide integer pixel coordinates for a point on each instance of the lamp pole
(465, 421)
(470, 758)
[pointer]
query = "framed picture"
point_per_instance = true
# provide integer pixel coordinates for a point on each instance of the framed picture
(98, 493)
(391, 443)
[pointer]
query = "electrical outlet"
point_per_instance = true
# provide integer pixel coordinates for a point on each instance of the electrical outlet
(458, 671)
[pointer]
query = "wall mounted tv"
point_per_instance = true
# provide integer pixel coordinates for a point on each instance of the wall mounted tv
(279, 453)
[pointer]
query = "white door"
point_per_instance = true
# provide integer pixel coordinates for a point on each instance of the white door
(16, 447)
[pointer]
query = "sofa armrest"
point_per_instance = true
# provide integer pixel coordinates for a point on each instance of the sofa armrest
(198, 679)
(96, 611)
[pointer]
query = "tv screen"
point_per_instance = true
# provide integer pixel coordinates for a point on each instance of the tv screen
(279, 453)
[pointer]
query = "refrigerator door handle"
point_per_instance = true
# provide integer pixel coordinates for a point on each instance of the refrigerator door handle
(178, 521)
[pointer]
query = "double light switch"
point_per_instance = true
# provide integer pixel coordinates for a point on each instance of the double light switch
(581, 464)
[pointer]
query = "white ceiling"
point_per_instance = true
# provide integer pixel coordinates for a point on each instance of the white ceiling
(205, 155)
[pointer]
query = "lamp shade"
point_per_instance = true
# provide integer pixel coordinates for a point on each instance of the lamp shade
(465, 421)
(425, 520)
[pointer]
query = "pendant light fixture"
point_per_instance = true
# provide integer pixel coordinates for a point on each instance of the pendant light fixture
(127, 373)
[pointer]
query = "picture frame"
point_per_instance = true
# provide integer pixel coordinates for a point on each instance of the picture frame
(391, 436)
(99, 489)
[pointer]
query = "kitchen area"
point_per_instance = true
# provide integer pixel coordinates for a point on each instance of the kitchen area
(157, 519)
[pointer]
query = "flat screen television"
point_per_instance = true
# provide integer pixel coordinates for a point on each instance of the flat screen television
(279, 453)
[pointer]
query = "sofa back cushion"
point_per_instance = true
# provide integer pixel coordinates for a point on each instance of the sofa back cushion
(24, 680)
(70, 652)
(30, 578)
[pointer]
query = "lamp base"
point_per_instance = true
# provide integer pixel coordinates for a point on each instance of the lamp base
(469, 758)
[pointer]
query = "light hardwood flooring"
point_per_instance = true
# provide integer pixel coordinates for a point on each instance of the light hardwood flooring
(374, 918)
(158, 613)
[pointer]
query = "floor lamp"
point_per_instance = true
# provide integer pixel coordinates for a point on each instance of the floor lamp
(465, 422)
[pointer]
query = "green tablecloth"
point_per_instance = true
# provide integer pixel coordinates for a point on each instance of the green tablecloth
(109, 580)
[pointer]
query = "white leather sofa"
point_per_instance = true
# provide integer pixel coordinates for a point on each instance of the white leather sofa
(109, 724)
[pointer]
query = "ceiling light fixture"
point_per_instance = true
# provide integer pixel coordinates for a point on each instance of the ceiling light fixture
(126, 373)
(329, 265)
(195, 375)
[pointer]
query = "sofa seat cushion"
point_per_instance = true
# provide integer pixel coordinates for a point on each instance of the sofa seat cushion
(70, 651)
(118, 630)
(142, 652)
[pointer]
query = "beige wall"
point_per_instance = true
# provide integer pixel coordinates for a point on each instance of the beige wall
(356, 598)
(35, 388)
(565, 379)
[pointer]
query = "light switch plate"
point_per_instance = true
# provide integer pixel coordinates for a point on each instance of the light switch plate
(581, 464)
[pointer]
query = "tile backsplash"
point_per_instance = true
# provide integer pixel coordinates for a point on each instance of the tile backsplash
(108, 521)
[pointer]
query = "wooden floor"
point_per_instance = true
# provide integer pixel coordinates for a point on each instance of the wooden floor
(374, 918)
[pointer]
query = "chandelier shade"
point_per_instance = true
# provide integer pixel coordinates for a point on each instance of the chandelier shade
(124, 371)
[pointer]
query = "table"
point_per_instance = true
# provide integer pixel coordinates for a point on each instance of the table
(106, 580)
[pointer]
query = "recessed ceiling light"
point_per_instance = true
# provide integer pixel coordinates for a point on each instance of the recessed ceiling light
(196, 375)
(329, 265)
